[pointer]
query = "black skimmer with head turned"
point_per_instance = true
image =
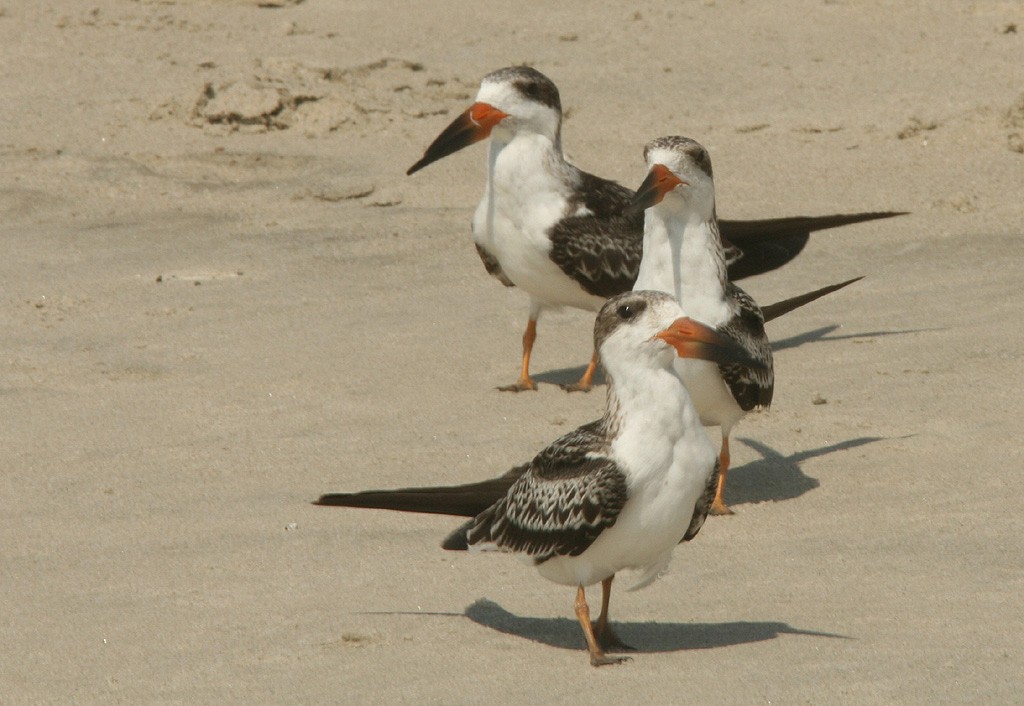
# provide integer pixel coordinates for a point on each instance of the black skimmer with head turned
(684, 257)
(618, 493)
(559, 233)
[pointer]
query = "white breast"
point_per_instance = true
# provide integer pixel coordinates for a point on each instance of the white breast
(711, 396)
(667, 458)
(524, 198)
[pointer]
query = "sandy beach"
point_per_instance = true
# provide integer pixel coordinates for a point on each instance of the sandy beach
(222, 297)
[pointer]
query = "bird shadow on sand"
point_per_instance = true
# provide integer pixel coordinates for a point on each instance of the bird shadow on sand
(822, 334)
(776, 477)
(567, 376)
(645, 636)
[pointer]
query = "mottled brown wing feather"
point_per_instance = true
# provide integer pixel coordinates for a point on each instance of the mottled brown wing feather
(751, 387)
(561, 504)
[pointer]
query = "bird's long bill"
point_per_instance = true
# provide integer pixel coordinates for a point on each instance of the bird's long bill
(692, 339)
(472, 126)
(660, 180)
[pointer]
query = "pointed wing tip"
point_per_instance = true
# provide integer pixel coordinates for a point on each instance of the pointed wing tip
(850, 219)
(330, 500)
(847, 283)
(875, 215)
(777, 309)
(416, 167)
(869, 216)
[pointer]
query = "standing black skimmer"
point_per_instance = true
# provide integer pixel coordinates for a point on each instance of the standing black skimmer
(559, 233)
(684, 257)
(618, 493)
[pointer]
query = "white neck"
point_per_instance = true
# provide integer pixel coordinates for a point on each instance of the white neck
(527, 178)
(651, 416)
(684, 258)
(515, 159)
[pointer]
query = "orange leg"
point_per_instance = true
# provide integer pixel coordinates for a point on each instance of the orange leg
(603, 630)
(586, 382)
(718, 506)
(597, 656)
(525, 382)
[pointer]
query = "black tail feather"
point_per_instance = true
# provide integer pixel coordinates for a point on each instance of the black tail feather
(771, 243)
(467, 500)
(461, 501)
(774, 311)
(743, 233)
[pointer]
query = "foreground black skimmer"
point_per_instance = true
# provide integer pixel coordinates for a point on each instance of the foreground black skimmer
(684, 257)
(618, 493)
(559, 233)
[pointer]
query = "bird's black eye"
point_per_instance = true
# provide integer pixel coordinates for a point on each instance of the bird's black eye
(631, 309)
(539, 91)
(703, 160)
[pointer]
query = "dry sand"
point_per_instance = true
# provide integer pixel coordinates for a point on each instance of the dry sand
(222, 297)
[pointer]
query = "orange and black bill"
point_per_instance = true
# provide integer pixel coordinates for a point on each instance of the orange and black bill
(471, 126)
(660, 180)
(692, 339)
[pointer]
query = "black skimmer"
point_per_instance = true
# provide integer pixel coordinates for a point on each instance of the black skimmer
(559, 233)
(619, 493)
(684, 257)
